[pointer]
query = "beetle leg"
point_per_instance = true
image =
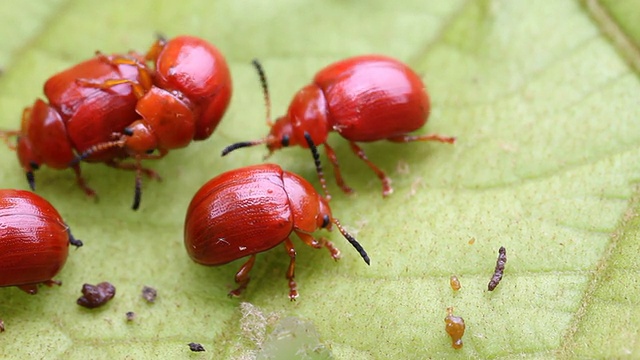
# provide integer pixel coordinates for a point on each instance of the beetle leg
(386, 181)
(131, 167)
(156, 48)
(73, 241)
(144, 74)
(336, 169)
(52, 282)
(30, 289)
(293, 287)
(428, 137)
(138, 89)
(161, 153)
(318, 244)
(242, 276)
(6, 135)
(82, 182)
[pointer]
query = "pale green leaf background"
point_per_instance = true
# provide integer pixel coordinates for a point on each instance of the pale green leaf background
(542, 95)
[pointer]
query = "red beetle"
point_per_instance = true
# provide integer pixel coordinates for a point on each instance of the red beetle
(112, 107)
(364, 99)
(34, 241)
(253, 209)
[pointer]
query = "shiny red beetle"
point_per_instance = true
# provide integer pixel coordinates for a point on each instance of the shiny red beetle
(364, 99)
(34, 241)
(253, 209)
(112, 107)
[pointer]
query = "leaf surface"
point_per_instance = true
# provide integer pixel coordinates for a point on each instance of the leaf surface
(542, 96)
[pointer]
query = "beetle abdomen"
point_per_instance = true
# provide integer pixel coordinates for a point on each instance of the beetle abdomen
(201, 74)
(373, 98)
(34, 242)
(237, 214)
(92, 115)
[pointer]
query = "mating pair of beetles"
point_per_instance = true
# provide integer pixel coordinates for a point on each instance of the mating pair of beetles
(115, 107)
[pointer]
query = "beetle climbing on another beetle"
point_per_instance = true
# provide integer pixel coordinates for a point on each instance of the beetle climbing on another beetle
(112, 107)
(253, 209)
(34, 241)
(364, 99)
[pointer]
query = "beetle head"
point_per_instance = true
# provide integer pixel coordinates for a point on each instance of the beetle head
(324, 219)
(281, 135)
(138, 138)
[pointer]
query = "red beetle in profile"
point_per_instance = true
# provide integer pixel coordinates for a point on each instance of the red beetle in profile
(364, 99)
(109, 108)
(34, 241)
(253, 209)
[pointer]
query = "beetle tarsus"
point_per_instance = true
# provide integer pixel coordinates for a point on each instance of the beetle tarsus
(73, 241)
(242, 276)
(386, 181)
(293, 290)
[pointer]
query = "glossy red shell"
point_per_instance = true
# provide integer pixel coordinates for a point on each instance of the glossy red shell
(78, 117)
(247, 211)
(366, 98)
(190, 93)
(111, 107)
(198, 70)
(34, 241)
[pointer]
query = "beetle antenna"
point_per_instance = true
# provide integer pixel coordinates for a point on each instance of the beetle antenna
(73, 241)
(31, 180)
(94, 149)
(138, 189)
(160, 37)
(265, 89)
(242, 144)
(316, 159)
(353, 242)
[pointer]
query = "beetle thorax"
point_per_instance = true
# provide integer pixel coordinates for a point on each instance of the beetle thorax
(281, 135)
(308, 113)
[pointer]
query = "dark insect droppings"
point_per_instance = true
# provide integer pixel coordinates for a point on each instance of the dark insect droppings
(497, 274)
(149, 294)
(94, 296)
(195, 347)
(130, 315)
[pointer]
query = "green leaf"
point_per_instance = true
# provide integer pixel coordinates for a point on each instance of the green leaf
(543, 97)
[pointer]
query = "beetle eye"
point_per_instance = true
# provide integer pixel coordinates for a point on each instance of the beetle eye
(285, 141)
(34, 165)
(325, 221)
(127, 131)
